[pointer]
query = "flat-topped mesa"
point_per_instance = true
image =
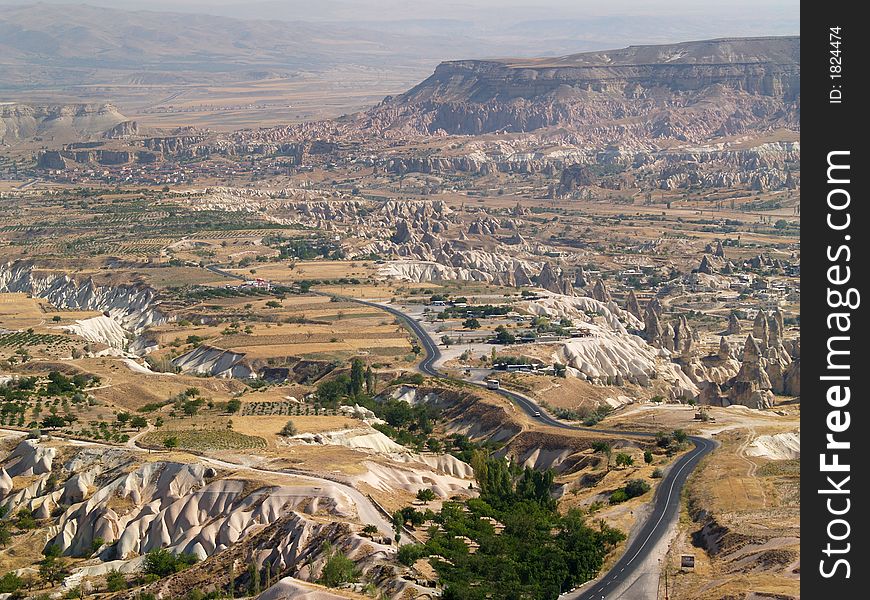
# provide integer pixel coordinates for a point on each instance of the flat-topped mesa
(58, 122)
(760, 76)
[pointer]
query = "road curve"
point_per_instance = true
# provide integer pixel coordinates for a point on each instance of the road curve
(666, 503)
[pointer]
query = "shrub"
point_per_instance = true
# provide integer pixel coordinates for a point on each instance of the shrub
(288, 430)
(425, 494)
(9, 583)
(338, 569)
(618, 496)
(115, 581)
(636, 487)
(657, 473)
(162, 562)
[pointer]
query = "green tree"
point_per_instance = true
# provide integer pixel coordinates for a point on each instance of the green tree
(410, 553)
(170, 442)
(648, 457)
(606, 449)
(234, 406)
(24, 519)
(53, 569)
(503, 336)
(53, 422)
(371, 382)
(357, 377)
(139, 422)
(338, 569)
(115, 581)
(162, 562)
(10, 583)
(254, 576)
(5, 535)
(471, 323)
(425, 495)
(624, 460)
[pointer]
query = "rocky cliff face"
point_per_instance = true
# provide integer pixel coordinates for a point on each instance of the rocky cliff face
(664, 90)
(131, 308)
(56, 121)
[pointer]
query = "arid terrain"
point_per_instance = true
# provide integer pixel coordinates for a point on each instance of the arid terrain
(281, 358)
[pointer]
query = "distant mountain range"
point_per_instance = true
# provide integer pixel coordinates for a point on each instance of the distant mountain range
(75, 44)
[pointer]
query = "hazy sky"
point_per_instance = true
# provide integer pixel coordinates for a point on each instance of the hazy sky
(460, 9)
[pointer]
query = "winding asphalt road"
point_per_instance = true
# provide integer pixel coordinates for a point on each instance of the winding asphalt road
(666, 503)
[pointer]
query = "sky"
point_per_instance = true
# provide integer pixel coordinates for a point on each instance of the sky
(491, 10)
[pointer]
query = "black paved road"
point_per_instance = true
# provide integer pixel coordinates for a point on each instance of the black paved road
(666, 503)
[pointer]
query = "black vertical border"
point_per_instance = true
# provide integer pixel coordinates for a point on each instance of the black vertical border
(827, 127)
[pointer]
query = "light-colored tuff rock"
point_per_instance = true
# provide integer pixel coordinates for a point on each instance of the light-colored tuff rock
(131, 307)
(217, 362)
(608, 353)
(683, 337)
(733, 325)
(653, 329)
(761, 329)
(632, 305)
(706, 266)
(553, 279)
(29, 458)
(66, 122)
(600, 293)
(654, 87)
(751, 386)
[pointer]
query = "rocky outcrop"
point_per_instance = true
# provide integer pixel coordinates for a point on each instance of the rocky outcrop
(733, 325)
(600, 293)
(653, 87)
(572, 179)
(64, 122)
(683, 337)
(122, 130)
(632, 305)
(706, 266)
(751, 386)
(760, 329)
(653, 329)
(132, 307)
(553, 279)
